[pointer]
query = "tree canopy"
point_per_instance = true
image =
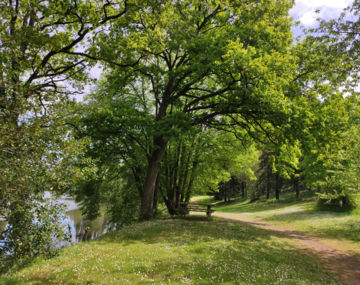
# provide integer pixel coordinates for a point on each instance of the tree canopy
(220, 64)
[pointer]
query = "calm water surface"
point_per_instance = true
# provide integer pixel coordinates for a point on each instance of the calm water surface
(77, 224)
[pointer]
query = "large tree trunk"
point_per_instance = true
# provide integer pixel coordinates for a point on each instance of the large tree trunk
(154, 163)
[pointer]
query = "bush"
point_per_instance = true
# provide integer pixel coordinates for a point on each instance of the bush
(34, 227)
(336, 194)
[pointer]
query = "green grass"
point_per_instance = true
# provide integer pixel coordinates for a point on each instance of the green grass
(302, 216)
(191, 251)
(203, 199)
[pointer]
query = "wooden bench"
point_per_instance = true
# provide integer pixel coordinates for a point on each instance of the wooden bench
(195, 207)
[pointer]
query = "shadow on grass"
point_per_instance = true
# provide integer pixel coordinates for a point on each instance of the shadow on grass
(329, 227)
(9, 281)
(186, 230)
(247, 207)
(8, 267)
(208, 252)
(300, 215)
(262, 205)
(349, 231)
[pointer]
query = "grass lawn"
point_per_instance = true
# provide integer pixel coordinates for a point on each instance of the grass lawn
(175, 251)
(339, 228)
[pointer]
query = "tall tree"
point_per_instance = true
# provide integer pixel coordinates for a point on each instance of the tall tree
(327, 79)
(37, 70)
(224, 63)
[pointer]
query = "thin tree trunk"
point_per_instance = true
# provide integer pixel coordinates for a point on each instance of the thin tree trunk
(297, 187)
(156, 196)
(192, 179)
(268, 182)
(194, 157)
(243, 189)
(183, 174)
(175, 173)
(278, 186)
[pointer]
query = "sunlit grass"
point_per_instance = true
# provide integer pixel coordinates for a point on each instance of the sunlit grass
(191, 251)
(304, 216)
(203, 199)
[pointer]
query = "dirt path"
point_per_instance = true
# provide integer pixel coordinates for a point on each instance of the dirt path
(339, 263)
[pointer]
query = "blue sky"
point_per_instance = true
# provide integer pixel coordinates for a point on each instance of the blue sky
(304, 10)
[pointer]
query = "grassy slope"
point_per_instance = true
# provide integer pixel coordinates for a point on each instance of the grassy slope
(339, 228)
(193, 251)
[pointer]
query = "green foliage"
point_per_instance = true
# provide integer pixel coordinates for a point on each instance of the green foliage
(111, 191)
(286, 160)
(342, 34)
(124, 207)
(30, 164)
(220, 65)
(110, 171)
(322, 119)
(223, 155)
(342, 183)
(34, 227)
(330, 162)
(199, 160)
(37, 66)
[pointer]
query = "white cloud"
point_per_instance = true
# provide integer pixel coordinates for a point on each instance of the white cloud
(309, 18)
(304, 10)
(327, 3)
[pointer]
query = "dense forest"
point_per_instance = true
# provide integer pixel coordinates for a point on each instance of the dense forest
(212, 97)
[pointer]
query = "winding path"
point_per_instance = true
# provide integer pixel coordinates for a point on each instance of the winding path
(343, 265)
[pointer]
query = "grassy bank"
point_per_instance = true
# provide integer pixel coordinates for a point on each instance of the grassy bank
(341, 228)
(192, 251)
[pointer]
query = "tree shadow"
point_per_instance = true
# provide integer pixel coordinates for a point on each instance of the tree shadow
(187, 230)
(212, 252)
(262, 204)
(254, 207)
(299, 215)
(346, 230)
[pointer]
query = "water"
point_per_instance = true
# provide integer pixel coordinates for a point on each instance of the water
(77, 224)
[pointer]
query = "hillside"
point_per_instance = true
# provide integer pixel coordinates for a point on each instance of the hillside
(173, 251)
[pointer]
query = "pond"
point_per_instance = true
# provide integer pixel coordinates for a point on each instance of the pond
(79, 227)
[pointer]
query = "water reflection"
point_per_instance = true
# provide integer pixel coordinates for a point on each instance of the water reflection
(82, 229)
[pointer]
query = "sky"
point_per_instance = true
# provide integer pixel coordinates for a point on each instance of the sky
(304, 10)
